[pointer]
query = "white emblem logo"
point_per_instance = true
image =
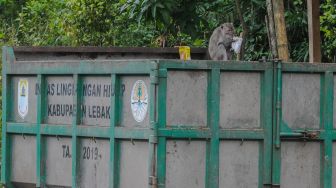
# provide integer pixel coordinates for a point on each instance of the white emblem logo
(139, 100)
(23, 97)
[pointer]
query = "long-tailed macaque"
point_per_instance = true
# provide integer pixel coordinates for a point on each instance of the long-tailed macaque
(220, 42)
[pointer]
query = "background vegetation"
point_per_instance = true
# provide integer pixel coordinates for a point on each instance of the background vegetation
(147, 22)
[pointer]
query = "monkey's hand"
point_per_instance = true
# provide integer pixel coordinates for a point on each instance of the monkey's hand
(236, 39)
(236, 45)
(221, 44)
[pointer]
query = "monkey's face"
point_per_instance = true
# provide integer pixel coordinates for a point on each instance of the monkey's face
(227, 29)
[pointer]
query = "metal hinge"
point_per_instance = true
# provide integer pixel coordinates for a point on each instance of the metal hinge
(306, 134)
(154, 76)
(302, 134)
(153, 181)
(153, 137)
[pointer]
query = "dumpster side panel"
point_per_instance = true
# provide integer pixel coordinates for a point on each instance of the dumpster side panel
(96, 94)
(127, 118)
(185, 164)
(58, 161)
(334, 165)
(239, 164)
(301, 100)
(186, 98)
(94, 159)
(301, 107)
(60, 92)
(133, 164)
(23, 159)
(300, 164)
(240, 100)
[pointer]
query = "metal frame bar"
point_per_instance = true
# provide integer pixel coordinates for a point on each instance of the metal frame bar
(213, 117)
(266, 122)
(153, 129)
(82, 67)
(6, 139)
(277, 117)
(327, 124)
(77, 101)
(113, 122)
(40, 143)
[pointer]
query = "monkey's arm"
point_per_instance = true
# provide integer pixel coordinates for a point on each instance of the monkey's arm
(218, 53)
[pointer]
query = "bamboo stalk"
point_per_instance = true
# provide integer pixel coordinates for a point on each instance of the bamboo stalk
(280, 28)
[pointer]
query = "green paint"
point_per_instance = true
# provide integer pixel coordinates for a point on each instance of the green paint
(5, 167)
(83, 131)
(255, 134)
(278, 104)
(82, 67)
(113, 104)
(308, 67)
(261, 158)
(208, 65)
(184, 133)
(327, 101)
(75, 145)
(21, 128)
(116, 121)
(153, 139)
(206, 129)
(6, 109)
(276, 153)
(40, 144)
(162, 141)
(266, 124)
(213, 117)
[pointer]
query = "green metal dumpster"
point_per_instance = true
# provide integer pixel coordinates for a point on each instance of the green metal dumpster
(112, 117)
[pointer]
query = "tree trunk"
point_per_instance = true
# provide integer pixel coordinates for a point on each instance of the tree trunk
(280, 28)
(271, 29)
(245, 30)
(313, 8)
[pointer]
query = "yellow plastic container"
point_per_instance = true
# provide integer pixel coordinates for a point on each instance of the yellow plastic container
(184, 52)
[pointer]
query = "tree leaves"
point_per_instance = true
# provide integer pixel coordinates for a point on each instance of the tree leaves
(328, 22)
(142, 22)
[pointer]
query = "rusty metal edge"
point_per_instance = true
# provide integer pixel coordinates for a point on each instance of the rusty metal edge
(94, 49)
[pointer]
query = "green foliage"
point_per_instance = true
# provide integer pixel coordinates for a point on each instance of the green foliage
(77, 23)
(328, 22)
(254, 13)
(92, 21)
(144, 22)
(188, 22)
(297, 30)
(191, 22)
(44, 22)
(150, 10)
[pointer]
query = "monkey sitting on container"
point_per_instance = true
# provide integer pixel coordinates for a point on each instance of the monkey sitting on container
(220, 44)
